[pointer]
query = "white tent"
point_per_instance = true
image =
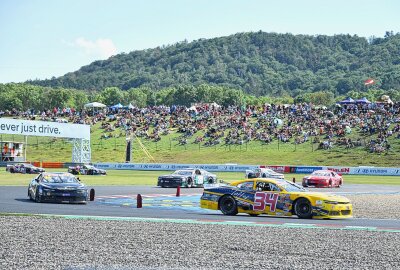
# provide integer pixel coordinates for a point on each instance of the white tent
(95, 105)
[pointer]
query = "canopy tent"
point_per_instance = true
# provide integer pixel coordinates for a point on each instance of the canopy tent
(95, 105)
(348, 100)
(130, 106)
(117, 106)
(363, 100)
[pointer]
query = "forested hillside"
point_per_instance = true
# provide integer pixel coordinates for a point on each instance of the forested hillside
(258, 63)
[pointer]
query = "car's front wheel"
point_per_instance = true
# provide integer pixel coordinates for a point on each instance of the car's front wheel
(30, 195)
(303, 208)
(228, 205)
(38, 197)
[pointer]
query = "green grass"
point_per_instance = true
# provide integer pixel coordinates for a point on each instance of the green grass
(168, 151)
(124, 177)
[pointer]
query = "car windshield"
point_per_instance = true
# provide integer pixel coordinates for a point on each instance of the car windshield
(321, 173)
(291, 187)
(183, 172)
(59, 178)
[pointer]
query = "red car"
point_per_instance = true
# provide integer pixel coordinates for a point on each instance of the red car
(323, 178)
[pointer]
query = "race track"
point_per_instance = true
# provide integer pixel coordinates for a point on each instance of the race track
(120, 201)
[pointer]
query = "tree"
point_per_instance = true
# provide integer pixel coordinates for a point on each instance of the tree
(137, 97)
(112, 96)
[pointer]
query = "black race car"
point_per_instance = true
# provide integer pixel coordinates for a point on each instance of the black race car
(24, 168)
(57, 187)
(86, 170)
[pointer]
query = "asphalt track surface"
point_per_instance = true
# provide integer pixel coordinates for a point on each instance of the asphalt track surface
(161, 203)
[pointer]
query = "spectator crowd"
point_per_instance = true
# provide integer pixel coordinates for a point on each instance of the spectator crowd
(350, 125)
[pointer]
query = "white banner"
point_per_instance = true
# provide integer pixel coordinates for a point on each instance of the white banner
(41, 128)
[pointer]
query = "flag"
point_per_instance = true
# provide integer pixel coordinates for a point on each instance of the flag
(369, 81)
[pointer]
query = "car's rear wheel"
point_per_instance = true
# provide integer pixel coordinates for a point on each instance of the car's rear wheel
(228, 205)
(303, 208)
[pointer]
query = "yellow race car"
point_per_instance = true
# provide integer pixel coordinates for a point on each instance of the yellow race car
(276, 197)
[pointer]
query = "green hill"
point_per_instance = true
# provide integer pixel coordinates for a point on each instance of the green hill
(258, 63)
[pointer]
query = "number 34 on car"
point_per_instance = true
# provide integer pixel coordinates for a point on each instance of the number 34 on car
(276, 197)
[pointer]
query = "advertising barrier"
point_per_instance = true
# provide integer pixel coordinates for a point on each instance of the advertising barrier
(172, 167)
(223, 167)
(375, 171)
(279, 169)
(303, 169)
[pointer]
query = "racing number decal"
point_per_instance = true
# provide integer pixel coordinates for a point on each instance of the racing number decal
(261, 199)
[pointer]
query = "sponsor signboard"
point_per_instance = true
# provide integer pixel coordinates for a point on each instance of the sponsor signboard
(337, 169)
(42, 128)
(276, 168)
(172, 167)
(303, 169)
(375, 171)
(243, 168)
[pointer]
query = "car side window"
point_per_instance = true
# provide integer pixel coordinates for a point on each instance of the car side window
(263, 186)
(274, 187)
(246, 186)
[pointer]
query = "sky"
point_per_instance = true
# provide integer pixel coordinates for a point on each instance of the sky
(40, 39)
